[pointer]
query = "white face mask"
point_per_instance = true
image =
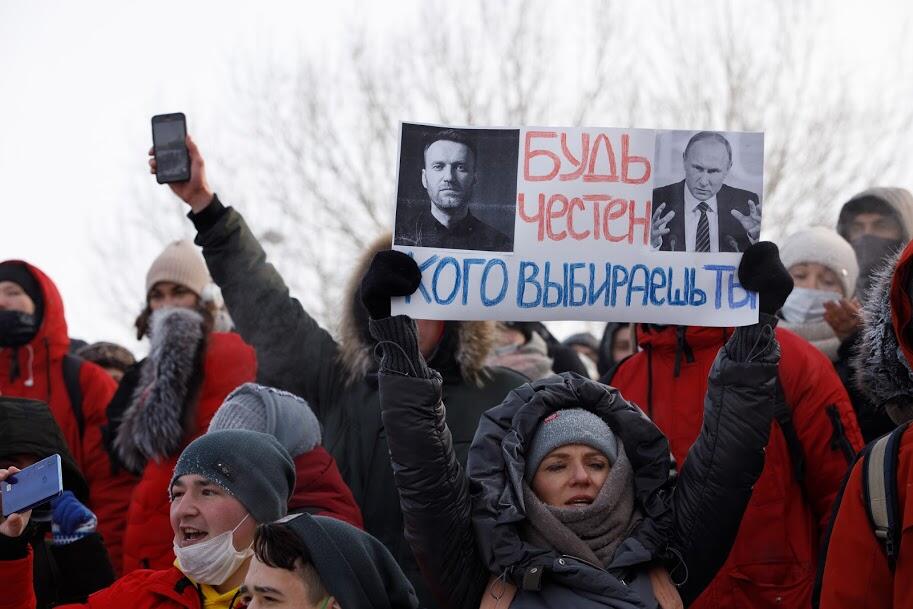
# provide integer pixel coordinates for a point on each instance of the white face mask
(805, 305)
(213, 561)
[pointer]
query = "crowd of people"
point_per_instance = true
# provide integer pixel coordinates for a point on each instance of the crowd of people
(253, 459)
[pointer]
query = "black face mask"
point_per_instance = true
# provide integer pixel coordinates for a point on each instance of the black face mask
(871, 253)
(17, 328)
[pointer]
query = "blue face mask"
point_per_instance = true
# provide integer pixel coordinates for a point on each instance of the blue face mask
(805, 305)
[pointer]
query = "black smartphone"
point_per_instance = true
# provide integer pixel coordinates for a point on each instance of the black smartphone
(169, 132)
(35, 485)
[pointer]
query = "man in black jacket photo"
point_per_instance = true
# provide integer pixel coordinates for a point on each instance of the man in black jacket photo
(449, 176)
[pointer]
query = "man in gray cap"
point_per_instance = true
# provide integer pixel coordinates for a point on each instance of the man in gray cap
(225, 483)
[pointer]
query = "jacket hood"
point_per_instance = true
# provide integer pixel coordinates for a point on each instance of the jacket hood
(677, 338)
(27, 427)
(496, 466)
(153, 425)
(884, 359)
(355, 568)
(320, 489)
(53, 328)
(472, 339)
(898, 199)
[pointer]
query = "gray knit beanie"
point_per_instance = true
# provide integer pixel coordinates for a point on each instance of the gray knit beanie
(825, 247)
(278, 413)
(251, 466)
(571, 426)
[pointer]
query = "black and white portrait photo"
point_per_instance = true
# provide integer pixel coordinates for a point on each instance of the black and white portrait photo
(707, 197)
(457, 188)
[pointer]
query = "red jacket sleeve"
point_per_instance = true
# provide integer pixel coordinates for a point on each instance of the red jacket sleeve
(820, 407)
(109, 492)
(17, 591)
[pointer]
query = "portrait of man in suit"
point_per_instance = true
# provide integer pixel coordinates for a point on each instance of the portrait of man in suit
(702, 213)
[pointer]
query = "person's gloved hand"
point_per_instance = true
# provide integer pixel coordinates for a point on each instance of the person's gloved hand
(70, 520)
(391, 273)
(762, 271)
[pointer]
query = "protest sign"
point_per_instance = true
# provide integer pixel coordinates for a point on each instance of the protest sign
(578, 223)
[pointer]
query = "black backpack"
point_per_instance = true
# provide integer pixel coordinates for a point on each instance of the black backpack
(72, 365)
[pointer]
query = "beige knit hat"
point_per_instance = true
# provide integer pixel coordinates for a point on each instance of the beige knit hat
(180, 263)
(827, 248)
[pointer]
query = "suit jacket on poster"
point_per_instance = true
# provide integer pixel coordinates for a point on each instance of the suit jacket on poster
(732, 236)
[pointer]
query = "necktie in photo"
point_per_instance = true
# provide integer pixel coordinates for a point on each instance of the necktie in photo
(702, 238)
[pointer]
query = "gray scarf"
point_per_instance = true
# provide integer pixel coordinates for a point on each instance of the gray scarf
(591, 532)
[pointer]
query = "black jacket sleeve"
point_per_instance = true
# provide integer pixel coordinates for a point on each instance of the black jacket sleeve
(724, 463)
(83, 567)
(293, 352)
(433, 488)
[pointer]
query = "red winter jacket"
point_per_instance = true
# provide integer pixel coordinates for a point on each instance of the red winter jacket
(164, 589)
(41, 378)
(856, 574)
(773, 560)
(319, 488)
(229, 362)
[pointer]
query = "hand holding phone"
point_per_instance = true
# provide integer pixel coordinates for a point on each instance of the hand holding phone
(169, 134)
(36, 484)
(16, 523)
(194, 190)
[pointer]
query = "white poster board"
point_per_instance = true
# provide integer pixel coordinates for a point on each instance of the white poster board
(625, 225)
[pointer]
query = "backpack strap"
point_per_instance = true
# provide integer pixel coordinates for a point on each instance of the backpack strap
(784, 418)
(71, 368)
(879, 489)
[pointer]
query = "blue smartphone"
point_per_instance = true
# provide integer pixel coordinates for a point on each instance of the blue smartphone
(36, 484)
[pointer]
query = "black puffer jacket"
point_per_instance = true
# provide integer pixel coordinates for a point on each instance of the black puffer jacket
(463, 530)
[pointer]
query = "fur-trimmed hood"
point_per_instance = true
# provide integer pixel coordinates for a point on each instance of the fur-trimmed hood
(153, 426)
(883, 362)
(473, 339)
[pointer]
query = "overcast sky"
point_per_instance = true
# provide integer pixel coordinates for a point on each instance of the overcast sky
(79, 81)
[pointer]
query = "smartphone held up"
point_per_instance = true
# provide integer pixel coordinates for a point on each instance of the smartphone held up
(169, 134)
(33, 486)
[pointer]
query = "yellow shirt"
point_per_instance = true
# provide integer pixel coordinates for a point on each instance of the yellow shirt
(211, 597)
(213, 600)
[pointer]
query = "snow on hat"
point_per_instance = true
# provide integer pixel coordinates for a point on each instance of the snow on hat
(251, 466)
(570, 426)
(825, 247)
(179, 263)
(278, 413)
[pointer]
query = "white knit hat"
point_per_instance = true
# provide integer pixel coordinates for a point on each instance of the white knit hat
(824, 246)
(180, 263)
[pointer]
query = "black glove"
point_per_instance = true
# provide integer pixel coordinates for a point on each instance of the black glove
(762, 271)
(391, 273)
